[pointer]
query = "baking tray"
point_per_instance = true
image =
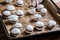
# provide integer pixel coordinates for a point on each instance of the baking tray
(52, 12)
(55, 4)
(57, 9)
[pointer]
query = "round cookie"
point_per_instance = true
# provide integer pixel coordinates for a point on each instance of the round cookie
(20, 3)
(13, 18)
(18, 25)
(15, 31)
(39, 25)
(36, 17)
(51, 23)
(6, 13)
(32, 10)
(43, 10)
(29, 28)
(10, 7)
(20, 13)
(40, 6)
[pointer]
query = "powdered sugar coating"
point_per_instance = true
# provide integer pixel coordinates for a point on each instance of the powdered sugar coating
(43, 10)
(40, 6)
(32, 10)
(52, 23)
(13, 18)
(39, 24)
(20, 2)
(37, 16)
(29, 28)
(18, 25)
(20, 12)
(7, 13)
(10, 7)
(40, 1)
(15, 31)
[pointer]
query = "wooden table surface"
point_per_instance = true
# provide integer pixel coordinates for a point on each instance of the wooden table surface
(52, 36)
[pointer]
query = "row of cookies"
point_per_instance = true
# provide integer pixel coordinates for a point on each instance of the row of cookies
(17, 27)
(18, 2)
(20, 13)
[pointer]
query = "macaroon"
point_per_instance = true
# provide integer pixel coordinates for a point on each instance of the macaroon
(13, 18)
(20, 13)
(8, 1)
(40, 1)
(36, 17)
(6, 13)
(39, 25)
(32, 10)
(11, 8)
(18, 25)
(34, 3)
(29, 29)
(20, 3)
(40, 6)
(43, 11)
(51, 23)
(15, 31)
